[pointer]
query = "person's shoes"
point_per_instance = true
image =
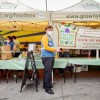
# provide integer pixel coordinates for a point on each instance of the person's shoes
(49, 91)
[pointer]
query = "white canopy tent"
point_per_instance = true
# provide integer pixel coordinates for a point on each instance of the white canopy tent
(13, 10)
(50, 5)
(19, 10)
(86, 10)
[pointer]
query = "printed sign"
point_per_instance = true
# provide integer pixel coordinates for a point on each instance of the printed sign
(88, 38)
(67, 35)
(73, 37)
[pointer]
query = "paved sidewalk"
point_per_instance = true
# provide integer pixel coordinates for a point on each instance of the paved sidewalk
(86, 88)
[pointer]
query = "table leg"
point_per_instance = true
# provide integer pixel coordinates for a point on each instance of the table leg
(0, 73)
(7, 72)
(16, 73)
(52, 77)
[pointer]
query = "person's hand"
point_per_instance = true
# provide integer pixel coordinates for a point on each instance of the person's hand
(58, 50)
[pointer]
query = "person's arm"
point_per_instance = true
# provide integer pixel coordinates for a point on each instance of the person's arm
(14, 48)
(45, 44)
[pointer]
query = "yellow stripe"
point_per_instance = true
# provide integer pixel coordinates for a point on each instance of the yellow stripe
(19, 33)
(31, 39)
(4, 31)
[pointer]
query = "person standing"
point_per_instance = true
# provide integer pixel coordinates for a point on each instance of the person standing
(9, 41)
(48, 55)
(16, 46)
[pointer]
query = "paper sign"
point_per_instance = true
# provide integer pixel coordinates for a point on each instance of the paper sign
(31, 47)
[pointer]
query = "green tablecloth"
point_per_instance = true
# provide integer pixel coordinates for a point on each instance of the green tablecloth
(84, 61)
(19, 63)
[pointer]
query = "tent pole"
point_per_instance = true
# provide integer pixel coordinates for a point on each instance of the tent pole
(50, 21)
(46, 4)
(97, 53)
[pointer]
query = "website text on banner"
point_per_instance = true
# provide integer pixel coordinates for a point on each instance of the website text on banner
(76, 16)
(23, 16)
(74, 37)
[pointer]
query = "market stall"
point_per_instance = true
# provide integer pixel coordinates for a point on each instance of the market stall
(83, 18)
(26, 23)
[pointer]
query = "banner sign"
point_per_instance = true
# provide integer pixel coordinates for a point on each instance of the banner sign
(76, 16)
(24, 16)
(88, 38)
(73, 37)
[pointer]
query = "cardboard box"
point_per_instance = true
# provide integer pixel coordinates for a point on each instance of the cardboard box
(5, 52)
